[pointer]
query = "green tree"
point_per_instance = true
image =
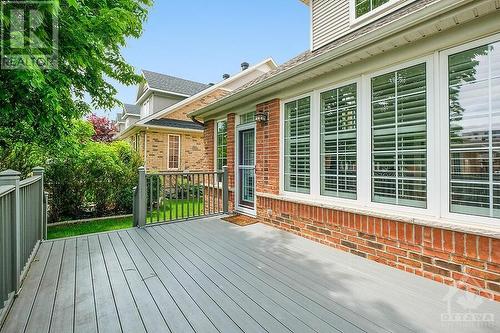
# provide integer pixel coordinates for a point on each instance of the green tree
(38, 105)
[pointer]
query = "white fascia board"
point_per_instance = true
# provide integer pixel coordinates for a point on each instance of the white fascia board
(269, 61)
(421, 16)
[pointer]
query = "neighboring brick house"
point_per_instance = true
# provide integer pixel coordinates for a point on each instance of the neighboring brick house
(158, 127)
(382, 140)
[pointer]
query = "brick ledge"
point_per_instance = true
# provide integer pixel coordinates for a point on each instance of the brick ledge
(480, 230)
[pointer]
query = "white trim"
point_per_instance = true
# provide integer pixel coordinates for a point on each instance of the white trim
(375, 14)
(316, 130)
(314, 159)
(237, 207)
(444, 129)
(178, 152)
(216, 140)
(364, 145)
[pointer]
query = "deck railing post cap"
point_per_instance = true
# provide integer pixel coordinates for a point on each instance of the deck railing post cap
(38, 170)
(10, 174)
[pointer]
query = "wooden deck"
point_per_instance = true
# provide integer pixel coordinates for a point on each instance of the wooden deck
(212, 276)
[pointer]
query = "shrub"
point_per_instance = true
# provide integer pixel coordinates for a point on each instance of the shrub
(96, 181)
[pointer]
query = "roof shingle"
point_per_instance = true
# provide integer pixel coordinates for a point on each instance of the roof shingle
(173, 84)
(185, 124)
(132, 109)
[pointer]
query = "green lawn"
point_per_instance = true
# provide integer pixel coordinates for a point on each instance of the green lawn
(167, 211)
(70, 230)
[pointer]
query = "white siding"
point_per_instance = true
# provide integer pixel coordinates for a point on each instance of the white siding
(330, 20)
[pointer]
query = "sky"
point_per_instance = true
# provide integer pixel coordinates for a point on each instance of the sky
(200, 40)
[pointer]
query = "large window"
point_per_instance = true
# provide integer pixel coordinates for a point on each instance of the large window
(297, 145)
(221, 144)
(338, 142)
(174, 145)
(399, 137)
(474, 118)
(363, 7)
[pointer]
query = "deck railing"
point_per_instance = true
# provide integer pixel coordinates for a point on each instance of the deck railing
(173, 196)
(23, 222)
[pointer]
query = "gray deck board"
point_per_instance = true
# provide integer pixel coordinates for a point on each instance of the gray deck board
(232, 286)
(21, 308)
(85, 313)
(151, 316)
(41, 312)
(62, 316)
(211, 276)
(107, 315)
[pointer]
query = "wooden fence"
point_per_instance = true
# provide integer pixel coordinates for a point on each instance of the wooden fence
(173, 196)
(23, 224)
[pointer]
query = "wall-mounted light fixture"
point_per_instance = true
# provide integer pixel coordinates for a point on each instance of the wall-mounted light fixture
(261, 117)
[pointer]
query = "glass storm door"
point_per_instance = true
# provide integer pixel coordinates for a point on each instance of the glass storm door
(246, 168)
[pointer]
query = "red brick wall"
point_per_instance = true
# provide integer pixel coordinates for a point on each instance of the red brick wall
(466, 261)
(208, 138)
(268, 149)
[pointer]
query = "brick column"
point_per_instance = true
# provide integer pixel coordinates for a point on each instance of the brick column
(231, 148)
(208, 139)
(268, 149)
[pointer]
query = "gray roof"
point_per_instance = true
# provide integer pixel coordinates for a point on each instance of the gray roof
(173, 84)
(132, 109)
(185, 124)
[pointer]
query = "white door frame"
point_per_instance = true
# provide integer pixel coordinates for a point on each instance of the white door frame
(237, 207)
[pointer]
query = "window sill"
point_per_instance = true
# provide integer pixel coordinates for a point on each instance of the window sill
(423, 220)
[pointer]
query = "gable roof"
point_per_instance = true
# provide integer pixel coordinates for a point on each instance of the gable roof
(174, 123)
(132, 109)
(217, 91)
(172, 84)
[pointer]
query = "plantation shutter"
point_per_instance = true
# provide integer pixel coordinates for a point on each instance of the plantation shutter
(474, 99)
(338, 142)
(297, 145)
(399, 137)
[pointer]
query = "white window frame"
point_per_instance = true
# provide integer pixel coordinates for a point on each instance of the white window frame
(364, 146)
(313, 145)
(216, 139)
(444, 154)
(432, 178)
(317, 95)
(168, 152)
(385, 9)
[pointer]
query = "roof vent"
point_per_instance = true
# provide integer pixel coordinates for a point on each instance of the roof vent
(211, 84)
(226, 76)
(244, 66)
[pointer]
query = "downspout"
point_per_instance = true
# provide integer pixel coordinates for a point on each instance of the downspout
(196, 121)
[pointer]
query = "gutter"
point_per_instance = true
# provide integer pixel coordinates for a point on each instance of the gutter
(411, 20)
(193, 118)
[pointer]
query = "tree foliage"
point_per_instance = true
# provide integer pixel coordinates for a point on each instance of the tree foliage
(103, 127)
(38, 105)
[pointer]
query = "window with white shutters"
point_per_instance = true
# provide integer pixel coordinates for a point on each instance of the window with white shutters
(297, 145)
(399, 137)
(338, 142)
(221, 144)
(474, 120)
